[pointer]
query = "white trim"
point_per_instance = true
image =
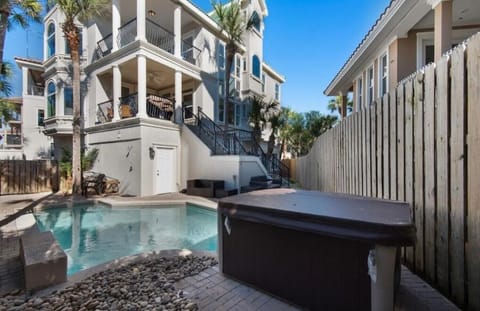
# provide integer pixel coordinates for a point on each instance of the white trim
(380, 73)
(358, 94)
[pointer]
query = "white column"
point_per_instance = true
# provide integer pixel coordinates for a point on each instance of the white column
(177, 30)
(142, 86)
(116, 20)
(117, 91)
(140, 20)
(25, 79)
(443, 28)
(178, 97)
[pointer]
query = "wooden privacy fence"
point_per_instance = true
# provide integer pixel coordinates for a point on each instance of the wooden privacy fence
(20, 176)
(421, 144)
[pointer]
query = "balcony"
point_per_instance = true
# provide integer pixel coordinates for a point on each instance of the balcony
(157, 108)
(13, 141)
(34, 90)
(155, 34)
(58, 125)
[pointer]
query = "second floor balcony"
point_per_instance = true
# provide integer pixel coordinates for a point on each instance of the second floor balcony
(155, 34)
(157, 107)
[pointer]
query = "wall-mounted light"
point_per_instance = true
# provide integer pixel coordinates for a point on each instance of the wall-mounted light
(152, 13)
(151, 152)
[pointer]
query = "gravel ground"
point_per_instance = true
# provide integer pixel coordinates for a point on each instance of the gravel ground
(146, 284)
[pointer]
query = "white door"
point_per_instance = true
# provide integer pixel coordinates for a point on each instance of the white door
(165, 177)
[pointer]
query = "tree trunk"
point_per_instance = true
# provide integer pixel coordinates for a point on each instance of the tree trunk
(230, 54)
(73, 40)
(271, 145)
(3, 30)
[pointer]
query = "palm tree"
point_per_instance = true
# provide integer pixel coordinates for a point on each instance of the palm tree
(76, 10)
(260, 114)
(232, 22)
(335, 105)
(20, 12)
(6, 74)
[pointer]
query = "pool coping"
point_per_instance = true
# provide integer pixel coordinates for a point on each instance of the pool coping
(121, 202)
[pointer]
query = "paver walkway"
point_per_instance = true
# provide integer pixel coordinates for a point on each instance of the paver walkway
(213, 291)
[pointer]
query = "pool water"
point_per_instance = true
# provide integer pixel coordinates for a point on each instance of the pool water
(94, 234)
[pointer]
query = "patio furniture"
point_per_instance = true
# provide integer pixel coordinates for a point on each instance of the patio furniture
(95, 181)
(204, 187)
(314, 249)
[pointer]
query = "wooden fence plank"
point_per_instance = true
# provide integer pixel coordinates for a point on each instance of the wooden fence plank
(356, 155)
(368, 147)
(473, 219)
(442, 181)
(429, 167)
(409, 158)
(373, 145)
(418, 169)
(379, 147)
(401, 142)
(386, 146)
(457, 176)
(393, 145)
(364, 152)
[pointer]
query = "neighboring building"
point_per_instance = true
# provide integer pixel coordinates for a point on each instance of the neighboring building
(406, 37)
(11, 138)
(146, 67)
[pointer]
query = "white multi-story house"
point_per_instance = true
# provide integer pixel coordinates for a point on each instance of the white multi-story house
(153, 95)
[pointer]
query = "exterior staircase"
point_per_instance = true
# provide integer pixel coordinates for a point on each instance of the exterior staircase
(237, 142)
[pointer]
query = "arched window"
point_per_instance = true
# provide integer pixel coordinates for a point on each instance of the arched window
(256, 21)
(51, 40)
(256, 66)
(51, 99)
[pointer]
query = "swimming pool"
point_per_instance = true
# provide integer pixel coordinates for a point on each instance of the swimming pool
(92, 234)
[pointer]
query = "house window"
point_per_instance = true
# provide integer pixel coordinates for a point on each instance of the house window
(429, 54)
(277, 91)
(383, 75)
(51, 40)
(51, 99)
(40, 117)
(238, 65)
(68, 100)
(238, 114)
(221, 110)
(244, 64)
(359, 93)
(256, 21)
(370, 77)
(80, 45)
(221, 56)
(256, 66)
(263, 83)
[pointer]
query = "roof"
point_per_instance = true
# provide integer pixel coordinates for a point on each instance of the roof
(15, 100)
(29, 60)
(395, 21)
(273, 73)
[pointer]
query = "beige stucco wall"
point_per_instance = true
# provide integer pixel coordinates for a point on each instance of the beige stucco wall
(197, 162)
(124, 152)
(35, 144)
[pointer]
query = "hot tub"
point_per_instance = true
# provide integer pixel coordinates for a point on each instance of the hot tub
(314, 249)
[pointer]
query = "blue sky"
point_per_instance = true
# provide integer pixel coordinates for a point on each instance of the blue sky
(306, 41)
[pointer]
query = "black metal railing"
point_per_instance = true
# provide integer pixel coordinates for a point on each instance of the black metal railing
(127, 33)
(159, 107)
(159, 36)
(104, 46)
(154, 33)
(190, 53)
(14, 139)
(36, 90)
(236, 142)
(128, 106)
(105, 112)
